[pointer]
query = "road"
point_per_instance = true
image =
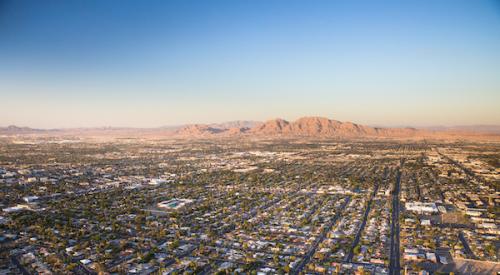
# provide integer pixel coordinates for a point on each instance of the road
(319, 239)
(467, 248)
(19, 266)
(394, 263)
(467, 171)
(362, 227)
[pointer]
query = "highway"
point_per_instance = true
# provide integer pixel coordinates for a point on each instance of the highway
(467, 248)
(394, 263)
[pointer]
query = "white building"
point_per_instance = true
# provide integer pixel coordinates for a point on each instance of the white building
(421, 207)
(157, 181)
(30, 199)
(16, 208)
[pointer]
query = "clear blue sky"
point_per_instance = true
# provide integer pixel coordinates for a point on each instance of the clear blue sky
(153, 63)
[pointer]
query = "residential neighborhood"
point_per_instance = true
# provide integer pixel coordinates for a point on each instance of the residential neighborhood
(246, 206)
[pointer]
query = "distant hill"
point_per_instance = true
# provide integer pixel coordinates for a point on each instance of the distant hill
(236, 124)
(226, 128)
(199, 130)
(16, 130)
(492, 129)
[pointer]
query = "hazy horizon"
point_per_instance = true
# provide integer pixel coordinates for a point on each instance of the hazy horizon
(432, 127)
(135, 64)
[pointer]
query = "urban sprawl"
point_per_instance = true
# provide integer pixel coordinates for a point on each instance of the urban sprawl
(248, 206)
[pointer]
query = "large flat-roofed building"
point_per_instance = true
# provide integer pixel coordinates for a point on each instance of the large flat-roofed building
(30, 199)
(421, 207)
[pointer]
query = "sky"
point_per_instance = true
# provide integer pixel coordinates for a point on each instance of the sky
(89, 63)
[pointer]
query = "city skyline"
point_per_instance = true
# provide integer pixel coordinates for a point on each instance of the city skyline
(94, 64)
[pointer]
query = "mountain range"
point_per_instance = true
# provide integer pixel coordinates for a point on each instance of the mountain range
(302, 127)
(305, 126)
